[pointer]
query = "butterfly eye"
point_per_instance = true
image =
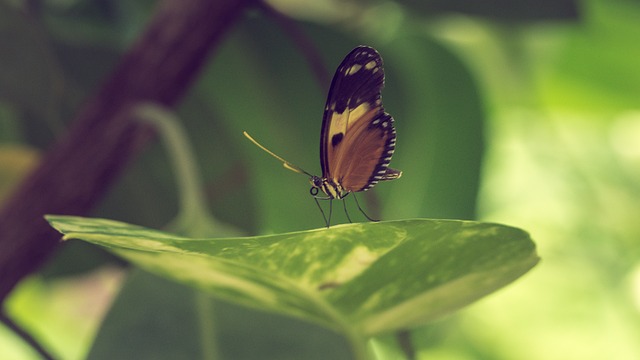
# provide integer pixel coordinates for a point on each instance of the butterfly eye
(315, 181)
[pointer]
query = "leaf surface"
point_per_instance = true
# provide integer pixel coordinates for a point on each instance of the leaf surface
(373, 277)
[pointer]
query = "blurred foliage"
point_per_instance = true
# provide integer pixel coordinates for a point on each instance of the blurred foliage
(535, 106)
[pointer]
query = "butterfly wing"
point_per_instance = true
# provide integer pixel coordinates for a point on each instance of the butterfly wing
(358, 138)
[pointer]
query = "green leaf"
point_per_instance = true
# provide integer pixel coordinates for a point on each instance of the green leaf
(368, 279)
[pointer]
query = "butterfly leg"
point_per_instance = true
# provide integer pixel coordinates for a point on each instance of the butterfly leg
(327, 220)
(344, 205)
(362, 211)
(322, 211)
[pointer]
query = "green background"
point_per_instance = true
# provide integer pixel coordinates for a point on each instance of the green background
(522, 113)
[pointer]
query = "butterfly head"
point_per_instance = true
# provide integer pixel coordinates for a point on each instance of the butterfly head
(316, 185)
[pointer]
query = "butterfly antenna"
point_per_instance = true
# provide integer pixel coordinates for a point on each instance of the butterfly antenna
(285, 163)
(362, 211)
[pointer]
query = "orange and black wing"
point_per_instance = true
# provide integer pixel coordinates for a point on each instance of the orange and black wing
(358, 138)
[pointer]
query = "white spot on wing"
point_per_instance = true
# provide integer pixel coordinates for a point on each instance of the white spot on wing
(370, 65)
(354, 69)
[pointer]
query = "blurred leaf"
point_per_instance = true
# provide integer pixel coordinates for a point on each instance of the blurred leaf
(440, 122)
(596, 69)
(149, 320)
(504, 10)
(9, 124)
(102, 22)
(157, 319)
(27, 78)
(63, 315)
(374, 278)
(15, 163)
(262, 85)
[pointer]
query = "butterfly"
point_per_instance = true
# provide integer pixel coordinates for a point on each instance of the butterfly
(357, 138)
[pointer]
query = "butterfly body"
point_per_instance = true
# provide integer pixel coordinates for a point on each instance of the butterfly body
(358, 137)
(329, 187)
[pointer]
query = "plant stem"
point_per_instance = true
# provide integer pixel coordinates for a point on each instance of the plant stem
(194, 218)
(208, 339)
(358, 344)
(183, 161)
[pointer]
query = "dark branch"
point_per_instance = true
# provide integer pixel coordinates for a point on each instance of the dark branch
(79, 169)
